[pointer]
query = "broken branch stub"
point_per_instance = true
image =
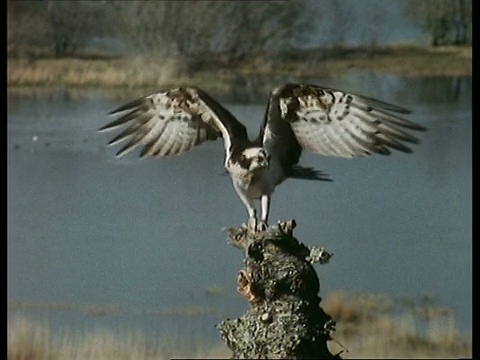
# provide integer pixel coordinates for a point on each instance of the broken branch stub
(285, 319)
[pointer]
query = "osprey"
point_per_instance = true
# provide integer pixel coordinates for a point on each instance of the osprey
(298, 117)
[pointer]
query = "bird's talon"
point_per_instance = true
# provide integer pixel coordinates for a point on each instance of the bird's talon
(262, 226)
(252, 225)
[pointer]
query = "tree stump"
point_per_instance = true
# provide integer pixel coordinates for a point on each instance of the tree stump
(285, 319)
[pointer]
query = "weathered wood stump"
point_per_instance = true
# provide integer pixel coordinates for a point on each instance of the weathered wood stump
(285, 319)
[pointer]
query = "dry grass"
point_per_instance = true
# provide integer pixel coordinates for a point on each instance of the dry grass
(30, 340)
(109, 74)
(368, 326)
(405, 60)
(136, 72)
(157, 71)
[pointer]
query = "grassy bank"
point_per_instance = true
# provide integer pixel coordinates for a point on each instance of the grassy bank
(379, 338)
(217, 74)
(377, 326)
(367, 327)
(34, 340)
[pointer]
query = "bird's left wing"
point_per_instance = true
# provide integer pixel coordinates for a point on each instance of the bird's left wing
(333, 122)
(172, 122)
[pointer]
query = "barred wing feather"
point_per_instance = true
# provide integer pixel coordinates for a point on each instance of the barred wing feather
(172, 122)
(336, 123)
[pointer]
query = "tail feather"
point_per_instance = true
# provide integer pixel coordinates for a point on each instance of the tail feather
(308, 173)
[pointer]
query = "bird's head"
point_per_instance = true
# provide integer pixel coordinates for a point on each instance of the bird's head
(254, 158)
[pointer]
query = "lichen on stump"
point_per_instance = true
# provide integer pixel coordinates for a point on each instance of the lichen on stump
(285, 319)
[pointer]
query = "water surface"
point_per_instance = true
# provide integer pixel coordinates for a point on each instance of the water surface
(87, 228)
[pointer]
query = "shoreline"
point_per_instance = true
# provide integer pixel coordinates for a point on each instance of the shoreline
(146, 72)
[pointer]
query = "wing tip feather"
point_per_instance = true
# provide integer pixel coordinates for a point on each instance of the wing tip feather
(128, 106)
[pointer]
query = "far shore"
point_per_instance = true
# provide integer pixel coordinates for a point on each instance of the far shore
(153, 72)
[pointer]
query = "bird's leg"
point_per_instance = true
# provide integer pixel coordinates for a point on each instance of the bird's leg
(252, 218)
(249, 204)
(252, 213)
(265, 203)
(252, 224)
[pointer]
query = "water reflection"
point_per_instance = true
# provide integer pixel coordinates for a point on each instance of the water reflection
(438, 90)
(256, 89)
(415, 90)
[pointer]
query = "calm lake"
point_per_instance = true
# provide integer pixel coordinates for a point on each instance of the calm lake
(140, 242)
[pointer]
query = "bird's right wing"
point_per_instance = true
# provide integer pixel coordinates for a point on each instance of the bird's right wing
(333, 123)
(172, 122)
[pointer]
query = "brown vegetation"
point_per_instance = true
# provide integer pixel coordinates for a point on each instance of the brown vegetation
(238, 29)
(367, 327)
(189, 28)
(148, 45)
(217, 74)
(31, 340)
(447, 22)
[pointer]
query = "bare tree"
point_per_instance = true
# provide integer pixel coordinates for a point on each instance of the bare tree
(27, 29)
(60, 26)
(72, 23)
(193, 28)
(342, 14)
(446, 21)
(252, 27)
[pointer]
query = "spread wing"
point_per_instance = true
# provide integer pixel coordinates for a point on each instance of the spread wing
(332, 122)
(172, 122)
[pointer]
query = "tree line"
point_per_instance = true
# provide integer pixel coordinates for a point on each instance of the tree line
(448, 22)
(192, 29)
